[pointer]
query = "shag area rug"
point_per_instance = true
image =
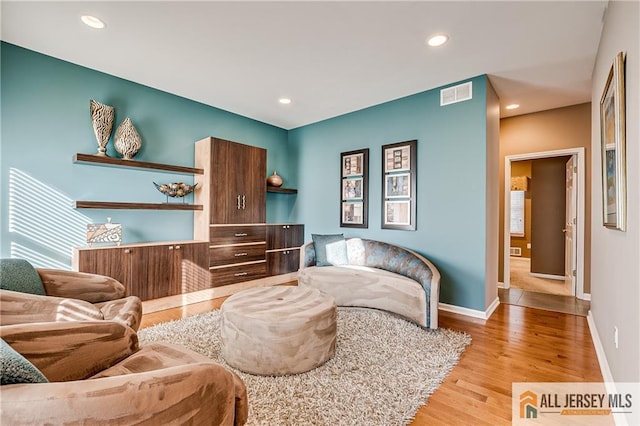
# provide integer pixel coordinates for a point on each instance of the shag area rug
(384, 369)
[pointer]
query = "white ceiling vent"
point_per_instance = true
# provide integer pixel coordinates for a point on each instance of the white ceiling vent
(453, 94)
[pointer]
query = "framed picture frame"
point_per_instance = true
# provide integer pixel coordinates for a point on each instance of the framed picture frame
(352, 213)
(352, 163)
(397, 185)
(399, 178)
(397, 213)
(397, 158)
(354, 189)
(613, 143)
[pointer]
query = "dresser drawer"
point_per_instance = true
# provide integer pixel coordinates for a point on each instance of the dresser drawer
(224, 255)
(235, 274)
(237, 234)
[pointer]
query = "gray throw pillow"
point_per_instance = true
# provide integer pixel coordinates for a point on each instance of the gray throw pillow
(20, 275)
(330, 249)
(17, 369)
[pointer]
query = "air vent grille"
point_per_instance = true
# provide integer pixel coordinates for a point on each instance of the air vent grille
(459, 93)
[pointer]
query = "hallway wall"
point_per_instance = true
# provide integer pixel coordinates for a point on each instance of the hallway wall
(560, 128)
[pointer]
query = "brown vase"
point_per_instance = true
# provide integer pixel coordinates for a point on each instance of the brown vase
(274, 180)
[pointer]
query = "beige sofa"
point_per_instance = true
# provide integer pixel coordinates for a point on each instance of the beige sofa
(378, 275)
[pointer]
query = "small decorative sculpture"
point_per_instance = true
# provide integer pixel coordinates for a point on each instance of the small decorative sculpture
(175, 189)
(102, 122)
(274, 180)
(104, 233)
(127, 141)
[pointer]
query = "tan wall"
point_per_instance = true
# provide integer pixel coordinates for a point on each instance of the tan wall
(561, 128)
(523, 168)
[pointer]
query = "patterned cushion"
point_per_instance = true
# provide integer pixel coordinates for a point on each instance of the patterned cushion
(17, 369)
(330, 249)
(20, 275)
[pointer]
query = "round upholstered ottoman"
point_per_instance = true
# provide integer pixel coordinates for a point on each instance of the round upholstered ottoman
(273, 331)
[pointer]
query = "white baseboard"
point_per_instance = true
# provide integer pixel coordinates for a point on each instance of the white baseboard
(470, 312)
(547, 276)
(597, 343)
(500, 284)
(584, 296)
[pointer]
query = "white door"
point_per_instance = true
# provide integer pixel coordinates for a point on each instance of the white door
(570, 225)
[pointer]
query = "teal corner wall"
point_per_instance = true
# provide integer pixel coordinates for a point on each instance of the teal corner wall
(45, 121)
(451, 186)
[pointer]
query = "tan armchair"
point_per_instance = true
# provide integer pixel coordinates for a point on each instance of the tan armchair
(42, 295)
(98, 375)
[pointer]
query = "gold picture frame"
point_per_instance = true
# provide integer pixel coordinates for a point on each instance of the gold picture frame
(613, 144)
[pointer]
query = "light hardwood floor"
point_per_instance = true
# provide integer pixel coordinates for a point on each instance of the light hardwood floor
(517, 344)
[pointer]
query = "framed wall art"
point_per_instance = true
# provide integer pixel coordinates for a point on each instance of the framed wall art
(399, 205)
(354, 188)
(612, 135)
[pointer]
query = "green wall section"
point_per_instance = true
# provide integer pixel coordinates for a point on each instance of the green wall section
(451, 181)
(45, 121)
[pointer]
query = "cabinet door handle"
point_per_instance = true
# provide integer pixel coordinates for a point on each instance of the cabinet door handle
(240, 274)
(177, 247)
(241, 234)
(238, 202)
(240, 254)
(170, 247)
(127, 251)
(244, 201)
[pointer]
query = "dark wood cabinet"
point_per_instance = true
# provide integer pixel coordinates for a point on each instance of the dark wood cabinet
(233, 186)
(283, 248)
(237, 253)
(283, 261)
(149, 271)
(233, 193)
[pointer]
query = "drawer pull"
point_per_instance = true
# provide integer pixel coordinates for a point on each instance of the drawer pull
(238, 205)
(240, 274)
(241, 234)
(240, 254)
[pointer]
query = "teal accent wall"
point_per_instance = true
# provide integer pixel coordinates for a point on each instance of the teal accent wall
(45, 121)
(451, 191)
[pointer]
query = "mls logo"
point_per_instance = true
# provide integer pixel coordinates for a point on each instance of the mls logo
(528, 405)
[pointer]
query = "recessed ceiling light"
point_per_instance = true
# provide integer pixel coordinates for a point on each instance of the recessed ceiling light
(512, 106)
(92, 21)
(437, 40)
(284, 101)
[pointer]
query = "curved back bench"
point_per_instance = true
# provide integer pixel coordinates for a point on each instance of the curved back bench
(379, 275)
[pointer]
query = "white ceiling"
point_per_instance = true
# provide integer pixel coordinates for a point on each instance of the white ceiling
(330, 58)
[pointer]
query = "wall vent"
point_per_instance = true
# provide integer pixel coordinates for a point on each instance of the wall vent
(515, 251)
(459, 93)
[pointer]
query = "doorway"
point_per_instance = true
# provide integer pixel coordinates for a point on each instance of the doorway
(573, 223)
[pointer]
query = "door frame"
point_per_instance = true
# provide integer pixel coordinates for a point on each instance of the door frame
(579, 152)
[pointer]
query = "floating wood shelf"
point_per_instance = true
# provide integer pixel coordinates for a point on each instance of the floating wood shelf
(281, 190)
(135, 206)
(118, 162)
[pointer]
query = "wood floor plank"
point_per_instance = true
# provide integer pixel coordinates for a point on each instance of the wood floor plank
(516, 344)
